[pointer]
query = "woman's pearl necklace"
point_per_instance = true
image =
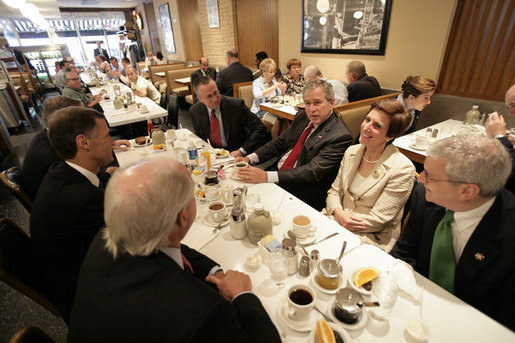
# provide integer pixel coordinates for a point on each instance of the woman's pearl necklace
(368, 160)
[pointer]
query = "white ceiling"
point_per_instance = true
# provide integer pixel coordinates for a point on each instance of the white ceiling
(50, 8)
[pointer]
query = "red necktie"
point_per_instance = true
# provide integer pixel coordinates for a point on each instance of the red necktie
(186, 264)
(216, 140)
(295, 152)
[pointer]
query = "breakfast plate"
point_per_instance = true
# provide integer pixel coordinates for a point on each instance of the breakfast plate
(221, 153)
(344, 335)
(415, 147)
(361, 289)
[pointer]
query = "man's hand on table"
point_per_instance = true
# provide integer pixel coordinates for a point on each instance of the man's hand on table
(121, 144)
(242, 159)
(253, 175)
(231, 284)
(236, 153)
(348, 220)
(495, 125)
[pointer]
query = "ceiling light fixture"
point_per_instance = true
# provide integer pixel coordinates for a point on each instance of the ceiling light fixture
(14, 3)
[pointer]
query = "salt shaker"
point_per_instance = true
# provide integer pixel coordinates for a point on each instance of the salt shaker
(304, 267)
(314, 256)
(289, 247)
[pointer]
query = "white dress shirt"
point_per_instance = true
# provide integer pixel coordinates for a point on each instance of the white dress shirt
(89, 175)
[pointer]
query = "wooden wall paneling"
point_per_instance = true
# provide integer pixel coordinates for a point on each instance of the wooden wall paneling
(257, 29)
(151, 25)
(479, 60)
(190, 24)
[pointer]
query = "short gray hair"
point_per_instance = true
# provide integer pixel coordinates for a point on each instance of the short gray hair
(475, 159)
(56, 103)
(312, 72)
(326, 86)
(141, 205)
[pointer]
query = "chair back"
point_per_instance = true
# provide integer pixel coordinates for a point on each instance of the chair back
(141, 66)
(173, 74)
(160, 68)
(13, 179)
(31, 334)
(18, 264)
(243, 90)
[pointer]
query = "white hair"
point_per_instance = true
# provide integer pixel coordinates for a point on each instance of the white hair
(142, 203)
(475, 159)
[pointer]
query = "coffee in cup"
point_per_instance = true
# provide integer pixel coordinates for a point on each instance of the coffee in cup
(301, 300)
(237, 167)
(301, 226)
(217, 211)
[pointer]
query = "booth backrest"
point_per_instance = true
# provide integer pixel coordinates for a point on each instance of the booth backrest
(353, 113)
(162, 68)
(173, 74)
(243, 90)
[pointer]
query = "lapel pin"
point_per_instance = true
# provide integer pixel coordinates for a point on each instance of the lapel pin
(375, 174)
(479, 256)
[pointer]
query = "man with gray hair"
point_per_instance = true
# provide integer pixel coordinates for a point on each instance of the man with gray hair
(312, 72)
(234, 73)
(308, 153)
(361, 86)
(137, 268)
(461, 228)
(73, 90)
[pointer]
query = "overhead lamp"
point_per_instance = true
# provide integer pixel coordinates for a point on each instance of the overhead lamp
(322, 6)
(323, 20)
(14, 3)
(358, 14)
(29, 11)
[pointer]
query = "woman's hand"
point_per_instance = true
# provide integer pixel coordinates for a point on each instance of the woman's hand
(348, 220)
(282, 86)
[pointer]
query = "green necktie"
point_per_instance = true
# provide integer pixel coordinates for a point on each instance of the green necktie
(443, 261)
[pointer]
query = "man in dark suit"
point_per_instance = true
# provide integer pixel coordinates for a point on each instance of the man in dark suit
(461, 228)
(68, 209)
(234, 73)
(361, 86)
(309, 151)
(138, 283)
(205, 70)
(227, 122)
(100, 51)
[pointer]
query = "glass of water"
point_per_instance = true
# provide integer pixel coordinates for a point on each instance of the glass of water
(278, 265)
(385, 292)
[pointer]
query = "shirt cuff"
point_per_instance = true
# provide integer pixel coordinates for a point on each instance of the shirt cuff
(272, 177)
(214, 270)
(254, 158)
(245, 292)
(243, 151)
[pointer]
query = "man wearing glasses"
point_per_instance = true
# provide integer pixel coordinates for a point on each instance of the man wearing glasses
(461, 228)
(73, 90)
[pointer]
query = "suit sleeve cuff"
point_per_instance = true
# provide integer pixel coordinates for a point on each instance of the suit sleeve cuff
(254, 158)
(272, 177)
(246, 292)
(214, 270)
(243, 151)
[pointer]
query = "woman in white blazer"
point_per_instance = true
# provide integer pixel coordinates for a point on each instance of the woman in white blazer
(375, 179)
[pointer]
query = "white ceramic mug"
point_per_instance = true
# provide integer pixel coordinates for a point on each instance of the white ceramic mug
(302, 227)
(143, 108)
(420, 141)
(301, 300)
(237, 167)
(217, 211)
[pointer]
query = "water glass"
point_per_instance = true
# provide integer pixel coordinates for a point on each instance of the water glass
(252, 200)
(212, 192)
(278, 265)
(385, 291)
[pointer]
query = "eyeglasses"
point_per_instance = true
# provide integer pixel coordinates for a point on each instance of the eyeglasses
(74, 79)
(429, 179)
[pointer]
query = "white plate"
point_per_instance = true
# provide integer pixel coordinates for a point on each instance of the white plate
(341, 331)
(142, 145)
(359, 325)
(208, 220)
(413, 146)
(361, 290)
(343, 283)
(219, 151)
(234, 177)
(143, 112)
(304, 326)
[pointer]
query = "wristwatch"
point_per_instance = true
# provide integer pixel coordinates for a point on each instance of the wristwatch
(499, 136)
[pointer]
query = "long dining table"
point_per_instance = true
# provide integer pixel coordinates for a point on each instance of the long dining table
(446, 318)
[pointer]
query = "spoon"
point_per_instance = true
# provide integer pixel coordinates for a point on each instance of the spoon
(341, 252)
(221, 224)
(326, 317)
(292, 236)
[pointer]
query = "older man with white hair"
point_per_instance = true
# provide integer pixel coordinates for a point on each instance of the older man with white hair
(461, 229)
(139, 283)
(341, 95)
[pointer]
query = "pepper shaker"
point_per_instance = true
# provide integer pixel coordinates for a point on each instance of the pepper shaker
(304, 266)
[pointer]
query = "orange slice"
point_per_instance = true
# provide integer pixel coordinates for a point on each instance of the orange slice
(324, 332)
(365, 275)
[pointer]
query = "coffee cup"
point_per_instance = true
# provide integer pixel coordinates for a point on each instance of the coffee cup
(217, 211)
(301, 300)
(143, 108)
(237, 167)
(302, 227)
(132, 107)
(420, 141)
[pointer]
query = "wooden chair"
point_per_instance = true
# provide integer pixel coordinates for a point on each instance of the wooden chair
(31, 334)
(353, 113)
(18, 264)
(243, 90)
(13, 179)
(155, 79)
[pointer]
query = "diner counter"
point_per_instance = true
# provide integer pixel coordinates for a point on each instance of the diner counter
(447, 318)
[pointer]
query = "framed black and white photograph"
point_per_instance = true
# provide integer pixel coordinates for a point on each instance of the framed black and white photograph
(345, 26)
(166, 26)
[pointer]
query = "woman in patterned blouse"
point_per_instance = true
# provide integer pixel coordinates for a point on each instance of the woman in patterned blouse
(294, 80)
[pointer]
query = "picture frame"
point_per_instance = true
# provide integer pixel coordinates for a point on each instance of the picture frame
(345, 26)
(166, 26)
(212, 13)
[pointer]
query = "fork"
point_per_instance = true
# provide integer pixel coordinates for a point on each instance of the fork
(221, 224)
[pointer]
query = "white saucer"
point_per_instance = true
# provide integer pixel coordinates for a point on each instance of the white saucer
(217, 151)
(304, 326)
(143, 112)
(306, 240)
(208, 220)
(361, 290)
(341, 331)
(359, 325)
(343, 283)
(413, 146)
(235, 178)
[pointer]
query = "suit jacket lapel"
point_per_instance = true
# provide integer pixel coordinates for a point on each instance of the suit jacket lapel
(379, 171)
(317, 136)
(204, 121)
(353, 158)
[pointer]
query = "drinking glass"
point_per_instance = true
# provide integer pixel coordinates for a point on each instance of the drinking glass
(385, 291)
(278, 265)
(212, 192)
(252, 200)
